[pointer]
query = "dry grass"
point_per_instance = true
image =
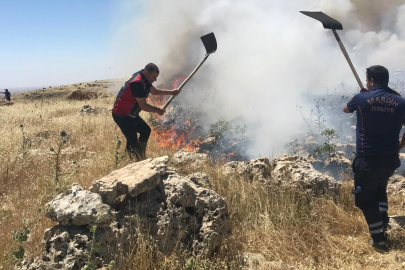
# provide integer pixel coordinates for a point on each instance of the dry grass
(282, 224)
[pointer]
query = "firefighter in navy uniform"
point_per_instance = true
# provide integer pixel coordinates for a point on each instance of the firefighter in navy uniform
(380, 113)
(130, 100)
(7, 95)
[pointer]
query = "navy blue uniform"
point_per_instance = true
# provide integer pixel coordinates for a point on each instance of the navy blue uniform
(380, 115)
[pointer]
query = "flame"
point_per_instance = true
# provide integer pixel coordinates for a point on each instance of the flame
(176, 139)
(177, 81)
(233, 154)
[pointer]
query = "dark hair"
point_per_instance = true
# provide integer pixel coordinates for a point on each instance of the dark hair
(150, 68)
(379, 74)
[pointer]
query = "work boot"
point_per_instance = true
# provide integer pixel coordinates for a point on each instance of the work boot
(379, 242)
(142, 149)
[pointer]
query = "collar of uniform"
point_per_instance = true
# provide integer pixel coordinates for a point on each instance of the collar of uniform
(379, 87)
(144, 78)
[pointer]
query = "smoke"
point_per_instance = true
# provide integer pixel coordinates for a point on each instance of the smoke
(268, 55)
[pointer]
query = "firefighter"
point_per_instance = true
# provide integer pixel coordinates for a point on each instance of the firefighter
(380, 112)
(7, 95)
(130, 100)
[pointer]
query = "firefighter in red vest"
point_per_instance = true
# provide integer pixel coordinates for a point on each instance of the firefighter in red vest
(130, 100)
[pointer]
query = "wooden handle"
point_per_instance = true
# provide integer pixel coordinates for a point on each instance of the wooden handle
(185, 81)
(342, 47)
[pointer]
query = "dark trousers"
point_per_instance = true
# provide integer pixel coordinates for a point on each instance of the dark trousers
(130, 127)
(371, 176)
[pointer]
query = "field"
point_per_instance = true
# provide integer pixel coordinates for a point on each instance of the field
(289, 228)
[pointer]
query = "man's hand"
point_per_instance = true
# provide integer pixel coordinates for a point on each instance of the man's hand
(160, 111)
(175, 92)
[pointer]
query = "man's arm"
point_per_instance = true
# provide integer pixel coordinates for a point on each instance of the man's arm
(148, 108)
(162, 92)
(346, 109)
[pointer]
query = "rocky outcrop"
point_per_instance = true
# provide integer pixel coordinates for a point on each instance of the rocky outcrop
(143, 199)
(335, 167)
(191, 159)
(297, 171)
(257, 169)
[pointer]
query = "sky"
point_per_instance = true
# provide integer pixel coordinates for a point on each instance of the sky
(48, 43)
(269, 55)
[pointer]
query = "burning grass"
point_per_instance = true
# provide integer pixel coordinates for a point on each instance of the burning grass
(287, 226)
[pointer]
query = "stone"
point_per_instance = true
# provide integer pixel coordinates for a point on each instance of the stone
(200, 179)
(208, 144)
(87, 109)
(257, 169)
(67, 248)
(176, 214)
(132, 180)
(79, 207)
(297, 171)
(192, 159)
(396, 185)
(179, 212)
(335, 166)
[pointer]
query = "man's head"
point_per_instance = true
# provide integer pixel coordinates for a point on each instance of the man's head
(377, 75)
(151, 72)
(6, 90)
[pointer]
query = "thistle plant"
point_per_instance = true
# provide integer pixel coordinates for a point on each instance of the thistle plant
(59, 146)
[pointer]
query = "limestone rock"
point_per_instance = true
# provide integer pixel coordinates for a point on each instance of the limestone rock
(179, 212)
(297, 171)
(79, 207)
(396, 185)
(257, 169)
(200, 179)
(208, 144)
(67, 248)
(192, 159)
(335, 167)
(176, 214)
(131, 180)
(88, 109)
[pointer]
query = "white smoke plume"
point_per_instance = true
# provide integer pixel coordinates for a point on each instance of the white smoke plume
(268, 54)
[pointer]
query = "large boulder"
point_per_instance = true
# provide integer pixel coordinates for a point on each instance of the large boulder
(131, 180)
(169, 210)
(79, 207)
(257, 169)
(297, 171)
(180, 213)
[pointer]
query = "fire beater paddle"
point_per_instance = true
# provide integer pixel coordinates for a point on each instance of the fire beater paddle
(330, 23)
(210, 44)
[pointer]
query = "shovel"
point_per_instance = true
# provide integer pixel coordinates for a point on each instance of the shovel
(330, 23)
(210, 44)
